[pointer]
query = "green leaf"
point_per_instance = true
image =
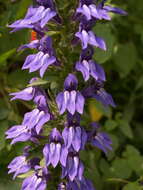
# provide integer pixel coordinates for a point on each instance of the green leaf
(120, 169)
(132, 186)
(135, 160)
(3, 113)
(28, 174)
(104, 167)
(115, 141)
(5, 56)
(139, 84)
(107, 111)
(125, 58)
(52, 33)
(19, 78)
(3, 127)
(38, 82)
(22, 8)
(104, 31)
(7, 184)
(110, 125)
(125, 128)
(129, 111)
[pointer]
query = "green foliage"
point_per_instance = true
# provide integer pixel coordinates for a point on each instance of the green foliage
(104, 31)
(121, 169)
(125, 58)
(132, 186)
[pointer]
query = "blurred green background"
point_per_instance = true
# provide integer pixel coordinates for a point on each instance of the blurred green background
(122, 169)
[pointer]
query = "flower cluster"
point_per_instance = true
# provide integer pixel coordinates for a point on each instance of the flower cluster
(63, 145)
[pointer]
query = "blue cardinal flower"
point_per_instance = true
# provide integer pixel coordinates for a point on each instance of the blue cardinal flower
(30, 128)
(38, 181)
(41, 60)
(74, 167)
(70, 99)
(88, 37)
(84, 184)
(98, 92)
(90, 67)
(55, 151)
(21, 164)
(99, 139)
(64, 143)
(35, 16)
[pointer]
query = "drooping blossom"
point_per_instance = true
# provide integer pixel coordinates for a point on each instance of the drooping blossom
(34, 16)
(73, 134)
(85, 184)
(98, 92)
(100, 139)
(74, 167)
(90, 67)
(88, 37)
(98, 12)
(33, 121)
(41, 60)
(38, 181)
(70, 99)
(30, 128)
(55, 151)
(21, 164)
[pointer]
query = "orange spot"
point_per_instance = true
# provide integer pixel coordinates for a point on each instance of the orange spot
(33, 35)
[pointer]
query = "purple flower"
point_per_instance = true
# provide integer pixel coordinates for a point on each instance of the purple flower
(50, 4)
(41, 60)
(21, 164)
(62, 186)
(97, 91)
(80, 185)
(38, 181)
(18, 166)
(46, 3)
(19, 133)
(93, 12)
(87, 54)
(84, 184)
(75, 137)
(102, 141)
(32, 45)
(38, 61)
(26, 94)
(34, 93)
(115, 10)
(44, 44)
(88, 68)
(33, 17)
(33, 121)
(33, 183)
(74, 167)
(55, 152)
(104, 97)
(70, 99)
(99, 139)
(30, 127)
(88, 37)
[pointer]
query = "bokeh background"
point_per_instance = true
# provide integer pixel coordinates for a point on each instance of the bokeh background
(121, 169)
